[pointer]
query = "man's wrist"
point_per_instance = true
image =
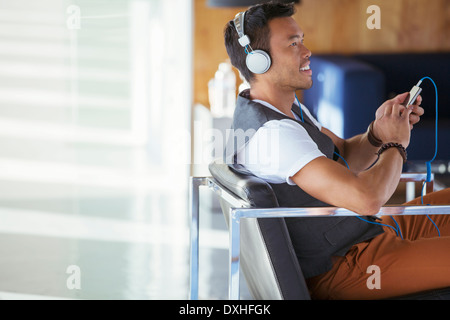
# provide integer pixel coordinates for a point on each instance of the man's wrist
(373, 139)
(401, 149)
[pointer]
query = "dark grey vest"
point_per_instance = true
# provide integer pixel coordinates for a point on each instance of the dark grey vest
(316, 239)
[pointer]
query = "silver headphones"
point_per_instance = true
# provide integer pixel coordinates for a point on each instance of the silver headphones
(257, 61)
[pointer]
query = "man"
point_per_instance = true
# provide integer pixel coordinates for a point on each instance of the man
(307, 168)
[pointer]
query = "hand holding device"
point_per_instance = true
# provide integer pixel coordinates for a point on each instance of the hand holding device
(413, 94)
(393, 124)
(410, 100)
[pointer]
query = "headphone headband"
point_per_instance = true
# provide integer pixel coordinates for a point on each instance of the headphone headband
(257, 61)
(239, 25)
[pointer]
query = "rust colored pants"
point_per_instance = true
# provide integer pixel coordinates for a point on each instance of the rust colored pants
(388, 266)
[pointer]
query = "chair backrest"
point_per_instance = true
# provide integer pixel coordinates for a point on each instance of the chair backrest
(268, 260)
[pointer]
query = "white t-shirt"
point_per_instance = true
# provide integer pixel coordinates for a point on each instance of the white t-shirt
(279, 149)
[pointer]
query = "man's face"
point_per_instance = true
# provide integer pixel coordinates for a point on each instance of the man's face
(290, 58)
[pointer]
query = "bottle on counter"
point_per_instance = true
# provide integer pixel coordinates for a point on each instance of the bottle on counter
(222, 91)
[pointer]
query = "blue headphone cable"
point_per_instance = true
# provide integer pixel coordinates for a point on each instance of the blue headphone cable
(397, 230)
(300, 106)
(428, 163)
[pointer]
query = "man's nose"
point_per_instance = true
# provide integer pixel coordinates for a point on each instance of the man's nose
(306, 52)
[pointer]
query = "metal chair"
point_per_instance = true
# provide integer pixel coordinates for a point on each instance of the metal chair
(260, 244)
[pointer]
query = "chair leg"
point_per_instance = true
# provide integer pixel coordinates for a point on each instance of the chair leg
(410, 190)
(194, 195)
(234, 255)
(430, 186)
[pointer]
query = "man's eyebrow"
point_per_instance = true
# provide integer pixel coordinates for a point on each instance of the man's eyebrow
(297, 36)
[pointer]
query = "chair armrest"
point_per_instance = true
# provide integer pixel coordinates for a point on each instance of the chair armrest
(238, 213)
(415, 177)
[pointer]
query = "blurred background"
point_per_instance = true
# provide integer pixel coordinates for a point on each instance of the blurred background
(104, 107)
(95, 101)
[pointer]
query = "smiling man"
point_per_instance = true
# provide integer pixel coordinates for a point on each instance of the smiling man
(309, 166)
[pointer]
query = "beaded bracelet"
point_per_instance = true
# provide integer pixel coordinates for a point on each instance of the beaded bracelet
(399, 147)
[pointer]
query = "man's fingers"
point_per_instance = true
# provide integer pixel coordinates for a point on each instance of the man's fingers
(388, 109)
(400, 98)
(413, 118)
(407, 113)
(399, 109)
(417, 110)
(418, 100)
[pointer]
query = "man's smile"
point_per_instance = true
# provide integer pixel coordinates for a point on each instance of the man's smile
(306, 69)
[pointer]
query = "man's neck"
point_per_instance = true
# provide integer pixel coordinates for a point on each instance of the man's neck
(282, 100)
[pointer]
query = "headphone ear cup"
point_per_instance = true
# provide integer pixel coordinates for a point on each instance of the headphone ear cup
(258, 61)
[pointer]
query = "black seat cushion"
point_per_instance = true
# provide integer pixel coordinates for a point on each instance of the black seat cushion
(255, 191)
